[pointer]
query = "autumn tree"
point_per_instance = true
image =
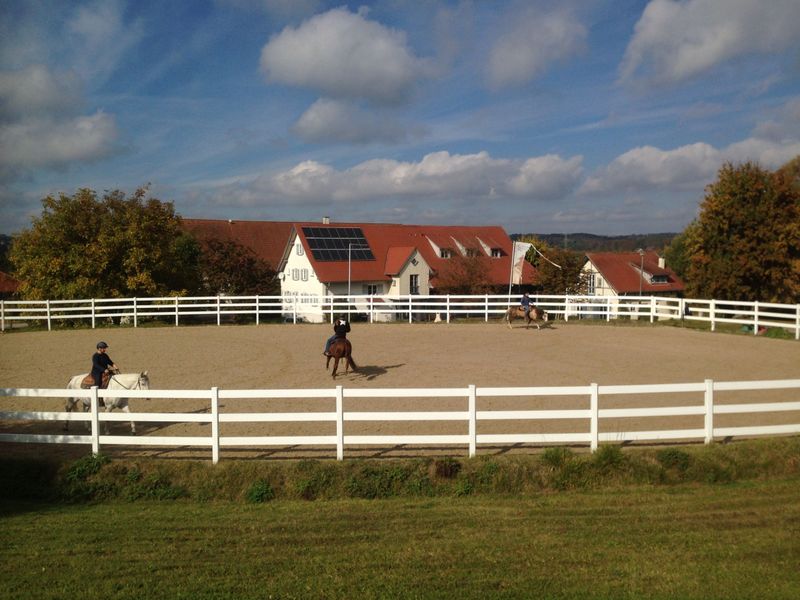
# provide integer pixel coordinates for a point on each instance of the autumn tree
(559, 271)
(745, 244)
(465, 275)
(82, 246)
(230, 268)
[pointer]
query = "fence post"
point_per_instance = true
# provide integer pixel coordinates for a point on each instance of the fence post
(214, 425)
(594, 403)
(2, 315)
(797, 324)
(709, 405)
(447, 307)
(372, 309)
(339, 422)
(486, 308)
(257, 311)
(135, 314)
(218, 311)
(176, 311)
(711, 313)
(409, 307)
(95, 404)
(566, 308)
(93, 313)
(608, 309)
(473, 421)
(755, 318)
(652, 308)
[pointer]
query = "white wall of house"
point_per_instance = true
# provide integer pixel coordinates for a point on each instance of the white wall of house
(416, 267)
(598, 286)
(300, 288)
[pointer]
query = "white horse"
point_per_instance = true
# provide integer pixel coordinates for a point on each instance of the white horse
(118, 381)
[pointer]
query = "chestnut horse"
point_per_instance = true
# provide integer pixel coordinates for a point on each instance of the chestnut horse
(340, 349)
(535, 315)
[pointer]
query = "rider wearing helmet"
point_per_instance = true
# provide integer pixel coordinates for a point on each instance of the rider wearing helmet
(101, 363)
(340, 330)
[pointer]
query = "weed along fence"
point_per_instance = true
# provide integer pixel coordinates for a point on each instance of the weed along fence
(478, 416)
(184, 309)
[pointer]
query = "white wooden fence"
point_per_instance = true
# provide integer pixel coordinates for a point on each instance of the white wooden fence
(753, 315)
(592, 415)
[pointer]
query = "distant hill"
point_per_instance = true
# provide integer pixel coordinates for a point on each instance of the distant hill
(589, 242)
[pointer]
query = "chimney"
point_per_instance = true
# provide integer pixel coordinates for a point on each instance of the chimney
(662, 264)
(326, 220)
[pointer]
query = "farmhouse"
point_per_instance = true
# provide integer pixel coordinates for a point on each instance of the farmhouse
(617, 274)
(316, 260)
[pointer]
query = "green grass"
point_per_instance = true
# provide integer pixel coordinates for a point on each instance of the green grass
(688, 541)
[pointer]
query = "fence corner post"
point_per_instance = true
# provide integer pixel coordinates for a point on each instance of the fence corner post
(594, 403)
(709, 413)
(214, 425)
(95, 404)
(473, 422)
(339, 422)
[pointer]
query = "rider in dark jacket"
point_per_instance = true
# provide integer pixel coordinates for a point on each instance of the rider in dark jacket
(341, 328)
(101, 362)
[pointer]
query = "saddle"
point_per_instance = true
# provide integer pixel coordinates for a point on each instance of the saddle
(88, 381)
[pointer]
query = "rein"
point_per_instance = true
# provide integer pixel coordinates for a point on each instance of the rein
(137, 386)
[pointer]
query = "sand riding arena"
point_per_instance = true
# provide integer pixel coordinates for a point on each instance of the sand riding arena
(432, 355)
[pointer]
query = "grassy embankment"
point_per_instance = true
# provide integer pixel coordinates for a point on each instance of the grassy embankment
(691, 522)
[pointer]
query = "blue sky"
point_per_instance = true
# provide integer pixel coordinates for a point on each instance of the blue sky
(600, 116)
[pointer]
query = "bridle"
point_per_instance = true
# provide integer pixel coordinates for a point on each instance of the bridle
(136, 386)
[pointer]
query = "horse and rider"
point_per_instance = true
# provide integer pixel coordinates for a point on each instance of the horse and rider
(338, 347)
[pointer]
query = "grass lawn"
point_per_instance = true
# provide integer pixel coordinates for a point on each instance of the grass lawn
(737, 540)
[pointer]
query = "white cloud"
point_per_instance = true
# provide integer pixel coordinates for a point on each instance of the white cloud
(336, 121)
(456, 178)
(547, 176)
(100, 38)
(647, 167)
(677, 40)
(35, 91)
(37, 143)
(688, 167)
(343, 55)
(532, 44)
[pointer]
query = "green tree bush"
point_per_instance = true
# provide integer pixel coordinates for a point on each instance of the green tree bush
(83, 246)
(745, 244)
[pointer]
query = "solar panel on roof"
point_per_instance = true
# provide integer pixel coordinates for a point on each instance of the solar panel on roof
(337, 243)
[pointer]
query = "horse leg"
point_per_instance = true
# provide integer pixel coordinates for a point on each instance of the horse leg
(328, 362)
(335, 366)
(69, 405)
(126, 408)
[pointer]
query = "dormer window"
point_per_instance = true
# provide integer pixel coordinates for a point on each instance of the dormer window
(659, 279)
(497, 253)
(471, 252)
(445, 253)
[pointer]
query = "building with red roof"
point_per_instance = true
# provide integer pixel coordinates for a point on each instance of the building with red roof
(315, 260)
(631, 274)
(8, 285)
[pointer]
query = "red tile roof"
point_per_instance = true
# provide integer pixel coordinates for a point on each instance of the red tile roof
(8, 285)
(267, 239)
(621, 271)
(396, 259)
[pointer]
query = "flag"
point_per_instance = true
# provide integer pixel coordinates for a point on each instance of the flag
(517, 260)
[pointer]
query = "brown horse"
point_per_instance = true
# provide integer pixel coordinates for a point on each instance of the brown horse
(340, 348)
(535, 315)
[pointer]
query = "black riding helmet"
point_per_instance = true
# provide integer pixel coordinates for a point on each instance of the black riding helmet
(102, 345)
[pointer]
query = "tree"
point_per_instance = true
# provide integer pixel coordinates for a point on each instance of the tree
(230, 268)
(745, 244)
(465, 275)
(568, 279)
(85, 247)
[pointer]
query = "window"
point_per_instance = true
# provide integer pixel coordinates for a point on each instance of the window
(295, 274)
(300, 251)
(304, 274)
(413, 284)
(370, 289)
(414, 262)
(591, 284)
(445, 253)
(497, 253)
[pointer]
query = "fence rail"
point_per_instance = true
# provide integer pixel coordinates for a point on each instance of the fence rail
(174, 310)
(593, 416)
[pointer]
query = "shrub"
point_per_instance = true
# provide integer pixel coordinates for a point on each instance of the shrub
(261, 491)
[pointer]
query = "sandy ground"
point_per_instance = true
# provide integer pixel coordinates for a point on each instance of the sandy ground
(402, 356)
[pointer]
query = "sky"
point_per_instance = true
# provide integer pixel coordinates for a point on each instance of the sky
(599, 116)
